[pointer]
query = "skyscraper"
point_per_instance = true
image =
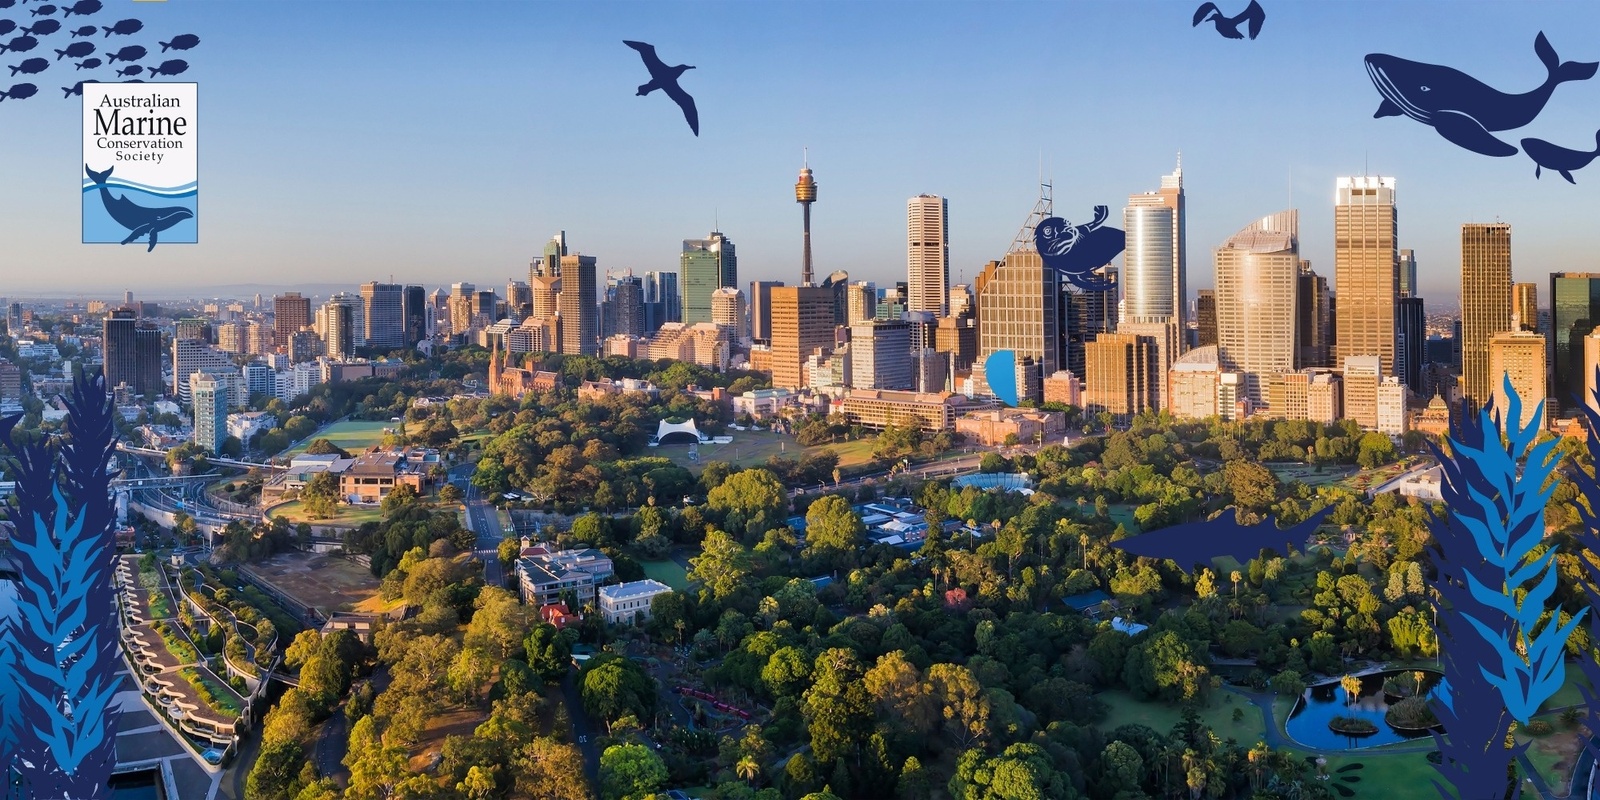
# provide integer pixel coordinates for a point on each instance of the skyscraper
(1205, 312)
(705, 266)
(861, 302)
(805, 193)
(623, 312)
(1411, 335)
(802, 323)
(1019, 310)
(662, 301)
(1258, 272)
(383, 315)
(290, 313)
(1574, 314)
(1408, 273)
(210, 411)
(727, 309)
(519, 299)
(338, 338)
(1151, 255)
(1518, 356)
(761, 310)
(414, 310)
(928, 253)
(880, 355)
(1148, 290)
(838, 282)
(1485, 302)
(1525, 304)
(1313, 321)
(358, 324)
(119, 347)
(1366, 266)
(1083, 316)
(1121, 374)
(579, 306)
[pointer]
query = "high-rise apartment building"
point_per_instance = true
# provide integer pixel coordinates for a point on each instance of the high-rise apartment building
(1167, 341)
(1366, 266)
(1313, 320)
(1258, 272)
(1485, 302)
(338, 338)
(383, 315)
(1150, 255)
(705, 266)
(1205, 313)
(1362, 375)
(461, 296)
(802, 323)
(927, 253)
(623, 311)
(190, 356)
(880, 353)
(1574, 314)
(210, 411)
(519, 299)
(1525, 304)
(1518, 356)
(290, 313)
(1019, 310)
(861, 302)
(727, 310)
(414, 313)
(1411, 338)
(1408, 274)
(761, 310)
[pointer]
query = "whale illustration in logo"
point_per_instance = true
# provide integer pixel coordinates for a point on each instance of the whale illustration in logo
(139, 221)
(1460, 107)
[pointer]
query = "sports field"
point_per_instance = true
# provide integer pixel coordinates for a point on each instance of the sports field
(753, 448)
(353, 436)
(328, 583)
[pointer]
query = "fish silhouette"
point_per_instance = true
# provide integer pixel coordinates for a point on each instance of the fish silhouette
(1202, 542)
(89, 63)
(77, 89)
(1076, 251)
(133, 81)
(1460, 107)
(139, 221)
(1229, 26)
(7, 26)
(1555, 157)
(129, 72)
(87, 30)
(43, 27)
(180, 42)
(665, 78)
(75, 50)
(21, 91)
(44, 10)
(132, 52)
(32, 66)
(7, 3)
(124, 27)
(21, 44)
(82, 8)
(176, 66)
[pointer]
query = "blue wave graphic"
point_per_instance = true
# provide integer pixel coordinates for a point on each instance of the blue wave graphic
(100, 228)
(185, 190)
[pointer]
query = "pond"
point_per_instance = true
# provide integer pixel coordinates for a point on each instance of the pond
(140, 785)
(1308, 723)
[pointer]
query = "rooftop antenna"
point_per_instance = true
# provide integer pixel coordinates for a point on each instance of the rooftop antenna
(805, 156)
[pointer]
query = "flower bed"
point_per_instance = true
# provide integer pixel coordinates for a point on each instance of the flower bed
(158, 605)
(218, 697)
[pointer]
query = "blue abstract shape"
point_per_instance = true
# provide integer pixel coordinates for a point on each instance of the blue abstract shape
(1560, 159)
(1460, 107)
(1202, 542)
(1254, 14)
(1000, 370)
(1076, 251)
(139, 221)
(665, 78)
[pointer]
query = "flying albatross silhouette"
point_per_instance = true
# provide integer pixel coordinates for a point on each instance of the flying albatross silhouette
(1229, 26)
(665, 78)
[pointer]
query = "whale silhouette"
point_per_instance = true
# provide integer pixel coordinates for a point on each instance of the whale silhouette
(1555, 157)
(139, 221)
(1460, 107)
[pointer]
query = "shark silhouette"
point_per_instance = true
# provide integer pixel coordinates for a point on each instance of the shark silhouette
(139, 221)
(665, 78)
(1201, 542)
(1460, 107)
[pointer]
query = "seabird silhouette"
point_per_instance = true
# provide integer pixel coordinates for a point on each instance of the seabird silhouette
(1229, 26)
(665, 78)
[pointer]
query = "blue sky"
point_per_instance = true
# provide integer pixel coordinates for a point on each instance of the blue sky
(345, 141)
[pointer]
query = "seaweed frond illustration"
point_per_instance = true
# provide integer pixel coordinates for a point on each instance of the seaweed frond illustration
(1500, 663)
(1588, 541)
(65, 659)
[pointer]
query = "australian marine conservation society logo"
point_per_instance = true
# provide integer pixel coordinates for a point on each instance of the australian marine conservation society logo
(140, 176)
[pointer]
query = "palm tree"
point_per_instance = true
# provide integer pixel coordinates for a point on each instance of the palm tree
(748, 770)
(1235, 576)
(1352, 688)
(1083, 546)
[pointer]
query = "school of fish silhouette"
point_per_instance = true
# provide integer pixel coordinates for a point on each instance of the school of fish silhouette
(81, 42)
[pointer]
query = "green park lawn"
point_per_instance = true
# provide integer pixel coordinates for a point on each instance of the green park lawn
(1160, 716)
(352, 436)
(1393, 776)
(1122, 514)
(295, 512)
(668, 572)
(1308, 475)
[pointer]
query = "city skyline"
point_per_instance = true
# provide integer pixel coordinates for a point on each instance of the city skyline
(465, 213)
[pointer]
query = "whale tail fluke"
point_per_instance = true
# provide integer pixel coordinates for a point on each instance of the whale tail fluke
(1562, 72)
(99, 177)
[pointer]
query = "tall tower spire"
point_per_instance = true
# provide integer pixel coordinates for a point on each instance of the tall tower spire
(805, 193)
